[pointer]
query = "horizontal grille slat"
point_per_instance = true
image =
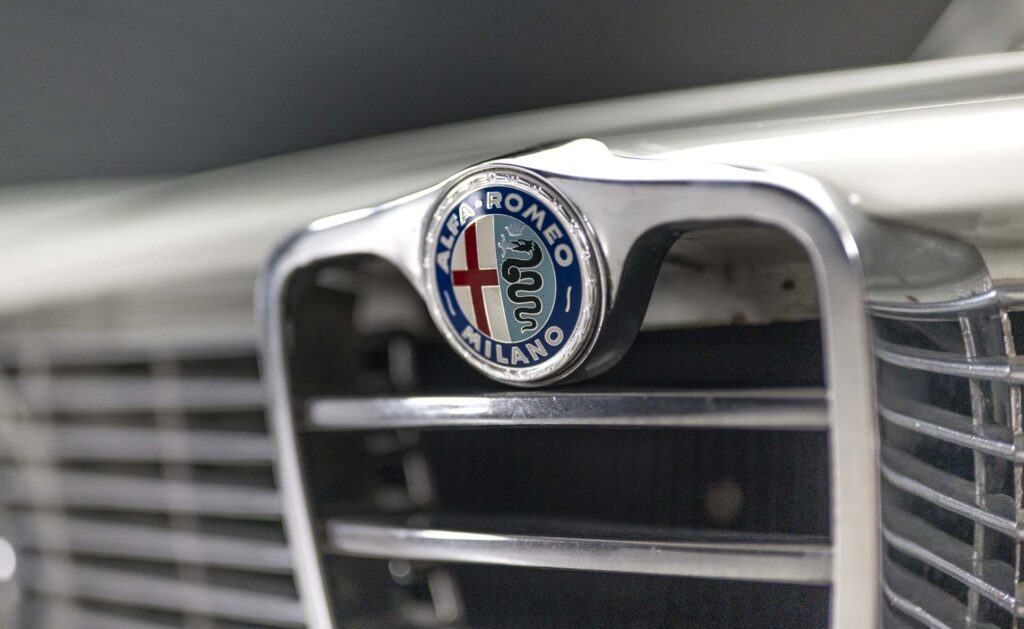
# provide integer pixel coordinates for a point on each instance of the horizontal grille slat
(86, 536)
(53, 613)
(946, 490)
(747, 560)
(950, 427)
(922, 541)
(949, 310)
(41, 487)
(67, 579)
(91, 394)
(999, 369)
(97, 348)
(765, 409)
(132, 444)
(919, 599)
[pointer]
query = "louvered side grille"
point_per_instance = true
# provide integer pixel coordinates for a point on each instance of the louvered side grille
(138, 486)
(950, 418)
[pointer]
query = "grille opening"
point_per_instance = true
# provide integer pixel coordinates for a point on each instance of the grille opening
(565, 480)
(933, 575)
(372, 593)
(732, 309)
(940, 455)
(942, 336)
(1016, 321)
(897, 386)
(231, 422)
(741, 356)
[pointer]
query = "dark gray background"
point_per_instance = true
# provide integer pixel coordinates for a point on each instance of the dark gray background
(92, 89)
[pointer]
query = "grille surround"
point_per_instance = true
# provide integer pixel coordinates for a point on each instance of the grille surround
(673, 198)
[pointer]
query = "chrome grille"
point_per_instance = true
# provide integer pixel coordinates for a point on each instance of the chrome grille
(431, 486)
(404, 500)
(138, 484)
(780, 558)
(950, 418)
(342, 299)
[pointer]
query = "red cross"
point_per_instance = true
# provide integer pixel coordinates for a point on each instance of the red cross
(476, 278)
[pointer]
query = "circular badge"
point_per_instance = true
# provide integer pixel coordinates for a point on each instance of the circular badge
(512, 276)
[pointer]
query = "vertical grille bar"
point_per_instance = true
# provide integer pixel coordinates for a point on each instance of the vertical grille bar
(981, 489)
(1017, 427)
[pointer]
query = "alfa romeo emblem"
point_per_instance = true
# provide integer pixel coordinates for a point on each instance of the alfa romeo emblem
(513, 277)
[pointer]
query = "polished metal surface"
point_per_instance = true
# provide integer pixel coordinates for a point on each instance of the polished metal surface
(951, 427)
(950, 310)
(781, 410)
(1002, 369)
(947, 471)
(745, 560)
(628, 202)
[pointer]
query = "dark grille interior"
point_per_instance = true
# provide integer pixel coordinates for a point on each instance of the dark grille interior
(565, 480)
(521, 597)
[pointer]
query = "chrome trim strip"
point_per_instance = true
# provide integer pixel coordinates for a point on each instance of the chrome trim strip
(951, 427)
(950, 364)
(1004, 295)
(743, 561)
(950, 492)
(779, 410)
(948, 310)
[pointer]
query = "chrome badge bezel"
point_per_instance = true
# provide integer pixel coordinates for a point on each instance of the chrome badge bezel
(579, 341)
